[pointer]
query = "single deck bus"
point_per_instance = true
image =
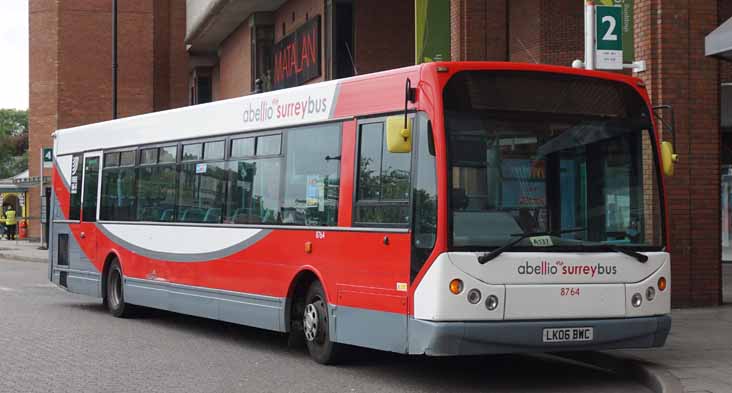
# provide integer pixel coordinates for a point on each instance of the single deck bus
(449, 208)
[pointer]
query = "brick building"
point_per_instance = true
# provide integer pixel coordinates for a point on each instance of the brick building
(174, 53)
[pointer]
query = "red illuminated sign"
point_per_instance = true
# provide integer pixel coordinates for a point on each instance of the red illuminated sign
(297, 56)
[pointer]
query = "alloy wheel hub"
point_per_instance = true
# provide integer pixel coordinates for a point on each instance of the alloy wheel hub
(310, 322)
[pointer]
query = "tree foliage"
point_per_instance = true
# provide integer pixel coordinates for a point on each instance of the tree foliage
(13, 142)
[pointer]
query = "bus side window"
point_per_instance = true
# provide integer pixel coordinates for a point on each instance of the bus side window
(118, 201)
(383, 181)
(156, 184)
(312, 176)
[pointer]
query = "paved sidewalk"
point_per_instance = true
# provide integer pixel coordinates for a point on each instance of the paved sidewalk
(698, 351)
(23, 251)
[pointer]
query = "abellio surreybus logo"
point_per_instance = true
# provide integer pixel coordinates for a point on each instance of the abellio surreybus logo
(274, 110)
(559, 268)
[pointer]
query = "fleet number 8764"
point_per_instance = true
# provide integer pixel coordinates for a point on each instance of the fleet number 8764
(569, 292)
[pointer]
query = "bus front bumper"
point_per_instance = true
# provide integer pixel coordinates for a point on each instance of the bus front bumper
(477, 338)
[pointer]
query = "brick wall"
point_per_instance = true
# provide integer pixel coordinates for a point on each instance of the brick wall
(43, 56)
(71, 66)
(479, 29)
(383, 40)
(170, 73)
(524, 26)
(562, 31)
(85, 60)
(234, 69)
(670, 35)
(178, 64)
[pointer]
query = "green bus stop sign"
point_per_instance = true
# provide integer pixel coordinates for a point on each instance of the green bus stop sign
(609, 37)
(47, 157)
(609, 28)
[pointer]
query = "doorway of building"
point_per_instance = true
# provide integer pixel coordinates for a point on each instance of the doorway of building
(343, 30)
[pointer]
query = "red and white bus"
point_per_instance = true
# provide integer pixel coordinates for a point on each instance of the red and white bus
(440, 209)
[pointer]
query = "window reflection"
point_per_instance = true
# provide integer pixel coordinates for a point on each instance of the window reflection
(383, 179)
(254, 191)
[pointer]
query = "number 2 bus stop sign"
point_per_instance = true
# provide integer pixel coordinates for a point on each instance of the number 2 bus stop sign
(608, 37)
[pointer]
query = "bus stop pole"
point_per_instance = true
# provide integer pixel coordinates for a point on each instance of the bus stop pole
(589, 35)
(40, 200)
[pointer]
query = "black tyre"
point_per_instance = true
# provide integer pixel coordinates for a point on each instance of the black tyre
(316, 328)
(114, 298)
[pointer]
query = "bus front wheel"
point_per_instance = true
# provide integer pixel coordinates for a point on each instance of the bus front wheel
(115, 296)
(315, 326)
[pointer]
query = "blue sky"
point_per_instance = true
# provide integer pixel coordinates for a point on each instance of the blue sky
(14, 49)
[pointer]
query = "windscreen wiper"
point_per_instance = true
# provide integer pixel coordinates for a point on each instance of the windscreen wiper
(612, 247)
(521, 236)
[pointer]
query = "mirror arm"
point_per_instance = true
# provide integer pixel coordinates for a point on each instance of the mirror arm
(673, 121)
(409, 96)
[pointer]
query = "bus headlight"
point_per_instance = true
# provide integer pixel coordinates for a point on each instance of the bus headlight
(491, 303)
(650, 293)
(636, 300)
(474, 296)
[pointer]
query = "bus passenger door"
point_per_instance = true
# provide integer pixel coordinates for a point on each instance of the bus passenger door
(90, 191)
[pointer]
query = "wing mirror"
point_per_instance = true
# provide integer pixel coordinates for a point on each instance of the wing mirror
(398, 128)
(668, 149)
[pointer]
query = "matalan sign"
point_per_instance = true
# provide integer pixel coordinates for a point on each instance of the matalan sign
(297, 56)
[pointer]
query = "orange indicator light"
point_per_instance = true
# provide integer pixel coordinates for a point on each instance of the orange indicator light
(456, 286)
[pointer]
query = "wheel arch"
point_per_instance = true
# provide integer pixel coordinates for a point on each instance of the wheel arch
(297, 290)
(111, 256)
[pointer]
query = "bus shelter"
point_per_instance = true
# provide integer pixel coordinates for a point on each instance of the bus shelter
(14, 192)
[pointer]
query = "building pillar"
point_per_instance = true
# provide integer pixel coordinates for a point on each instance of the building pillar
(670, 38)
(43, 99)
(479, 30)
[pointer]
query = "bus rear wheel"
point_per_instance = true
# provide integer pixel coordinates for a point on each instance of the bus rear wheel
(316, 329)
(115, 297)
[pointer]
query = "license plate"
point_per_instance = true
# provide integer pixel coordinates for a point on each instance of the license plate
(561, 335)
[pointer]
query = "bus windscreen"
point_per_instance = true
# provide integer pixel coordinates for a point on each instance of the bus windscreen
(537, 152)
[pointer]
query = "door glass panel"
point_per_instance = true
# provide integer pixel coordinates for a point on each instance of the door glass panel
(91, 180)
(75, 188)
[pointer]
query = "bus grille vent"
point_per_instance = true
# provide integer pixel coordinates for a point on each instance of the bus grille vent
(62, 279)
